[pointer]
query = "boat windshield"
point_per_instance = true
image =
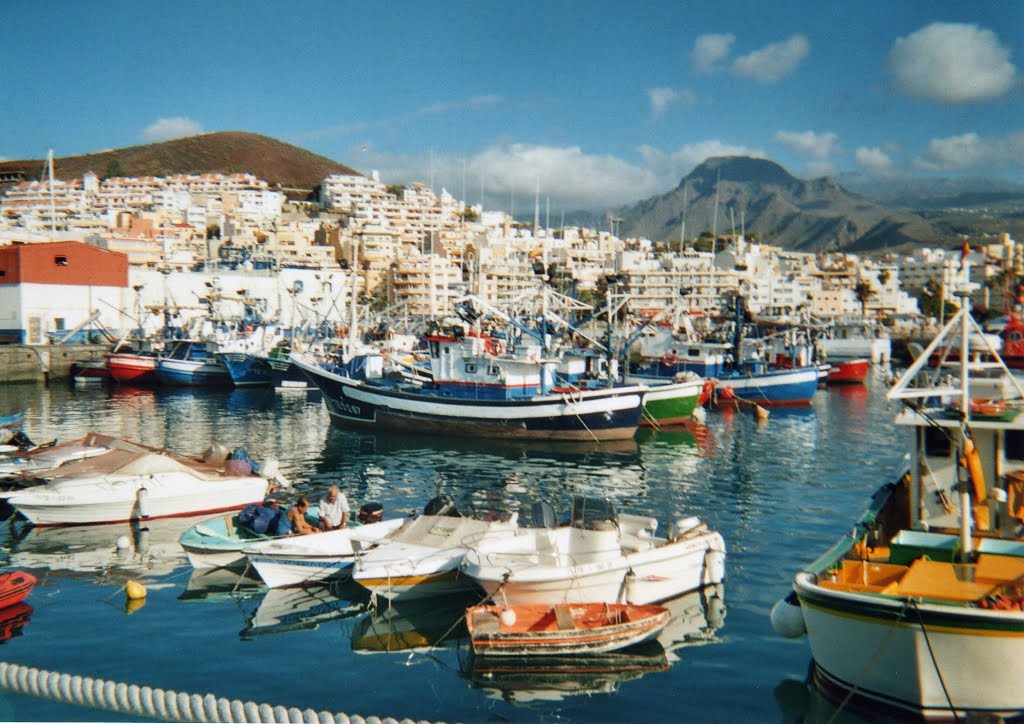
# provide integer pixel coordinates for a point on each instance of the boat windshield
(591, 512)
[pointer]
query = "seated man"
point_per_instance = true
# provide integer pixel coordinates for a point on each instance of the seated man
(297, 517)
(333, 509)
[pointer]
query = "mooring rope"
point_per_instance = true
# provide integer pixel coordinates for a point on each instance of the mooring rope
(165, 704)
(572, 406)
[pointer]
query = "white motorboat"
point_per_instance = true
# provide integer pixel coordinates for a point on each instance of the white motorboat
(601, 556)
(297, 560)
(48, 457)
(421, 559)
(136, 482)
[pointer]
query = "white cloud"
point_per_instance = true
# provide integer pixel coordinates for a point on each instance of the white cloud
(874, 160)
(817, 147)
(951, 63)
(164, 129)
(709, 50)
(569, 176)
(773, 62)
(969, 151)
(662, 98)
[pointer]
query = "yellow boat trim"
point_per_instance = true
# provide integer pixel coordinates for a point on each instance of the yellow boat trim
(909, 623)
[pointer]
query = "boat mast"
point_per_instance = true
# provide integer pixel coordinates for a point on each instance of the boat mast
(962, 482)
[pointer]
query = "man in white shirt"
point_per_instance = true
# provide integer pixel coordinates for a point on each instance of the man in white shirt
(333, 509)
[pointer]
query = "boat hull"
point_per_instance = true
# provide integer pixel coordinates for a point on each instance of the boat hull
(638, 577)
(192, 372)
(854, 371)
(583, 415)
(560, 630)
(850, 633)
(132, 368)
(246, 370)
(671, 404)
(117, 502)
(777, 387)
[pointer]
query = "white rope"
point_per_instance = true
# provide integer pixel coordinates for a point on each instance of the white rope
(156, 703)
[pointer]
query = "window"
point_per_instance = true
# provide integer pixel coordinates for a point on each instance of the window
(58, 323)
(60, 260)
(471, 368)
(1014, 445)
(937, 442)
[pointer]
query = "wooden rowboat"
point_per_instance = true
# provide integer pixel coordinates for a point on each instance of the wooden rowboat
(14, 586)
(543, 630)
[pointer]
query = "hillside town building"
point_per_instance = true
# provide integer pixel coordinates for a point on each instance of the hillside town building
(421, 251)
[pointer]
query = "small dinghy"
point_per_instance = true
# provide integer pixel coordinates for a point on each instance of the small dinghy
(580, 628)
(14, 586)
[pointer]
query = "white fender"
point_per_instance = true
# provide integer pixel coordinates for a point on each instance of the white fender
(788, 618)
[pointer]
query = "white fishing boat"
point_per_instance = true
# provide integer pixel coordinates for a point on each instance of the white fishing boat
(421, 558)
(131, 481)
(601, 556)
(918, 607)
(298, 560)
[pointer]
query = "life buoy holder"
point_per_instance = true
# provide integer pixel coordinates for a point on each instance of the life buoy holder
(493, 346)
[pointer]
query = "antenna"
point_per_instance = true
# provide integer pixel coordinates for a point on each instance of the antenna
(682, 229)
(53, 210)
(714, 223)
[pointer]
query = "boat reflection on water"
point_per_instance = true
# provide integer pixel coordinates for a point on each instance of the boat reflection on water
(412, 625)
(696, 618)
(13, 619)
(305, 608)
(221, 584)
(521, 680)
(385, 443)
(800, 702)
(147, 548)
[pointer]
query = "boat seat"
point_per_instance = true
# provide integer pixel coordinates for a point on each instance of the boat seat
(944, 581)
(563, 616)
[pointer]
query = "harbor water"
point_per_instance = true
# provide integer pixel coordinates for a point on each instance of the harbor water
(779, 492)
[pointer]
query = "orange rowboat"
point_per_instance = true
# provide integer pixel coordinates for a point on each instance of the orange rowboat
(14, 586)
(580, 628)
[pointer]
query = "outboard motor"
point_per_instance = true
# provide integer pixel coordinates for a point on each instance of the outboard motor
(370, 513)
(441, 505)
(21, 441)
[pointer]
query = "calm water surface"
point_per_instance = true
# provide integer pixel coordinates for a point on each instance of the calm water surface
(779, 492)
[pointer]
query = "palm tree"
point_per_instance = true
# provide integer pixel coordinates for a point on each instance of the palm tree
(863, 291)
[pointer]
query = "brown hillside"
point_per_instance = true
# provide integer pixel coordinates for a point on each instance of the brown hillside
(223, 152)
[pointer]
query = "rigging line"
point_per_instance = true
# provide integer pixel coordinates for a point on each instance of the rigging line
(935, 663)
(577, 414)
(856, 687)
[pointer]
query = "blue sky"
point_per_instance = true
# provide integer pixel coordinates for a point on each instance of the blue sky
(596, 103)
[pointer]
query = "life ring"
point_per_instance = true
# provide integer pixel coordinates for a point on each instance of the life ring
(982, 406)
(669, 360)
(493, 346)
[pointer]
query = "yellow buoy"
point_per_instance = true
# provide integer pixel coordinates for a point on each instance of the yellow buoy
(135, 590)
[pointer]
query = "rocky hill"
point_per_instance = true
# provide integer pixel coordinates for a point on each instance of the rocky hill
(763, 198)
(278, 163)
